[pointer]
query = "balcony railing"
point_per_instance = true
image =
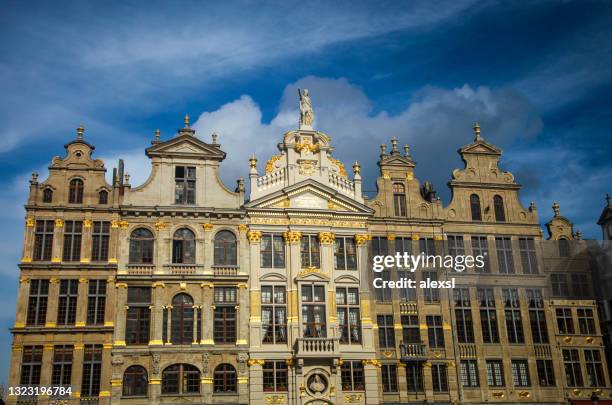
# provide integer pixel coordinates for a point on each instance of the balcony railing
(467, 350)
(89, 401)
(140, 269)
(542, 350)
(182, 269)
(408, 308)
(225, 270)
(317, 347)
(413, 351)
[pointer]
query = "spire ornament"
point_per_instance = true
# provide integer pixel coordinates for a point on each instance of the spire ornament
(608, 200)
(477, 136)
(214, 137)
(186, 120)
(407, 151)
(253, 161)
(356, 167)
(394, 150)
(556, 209)
(80, 131)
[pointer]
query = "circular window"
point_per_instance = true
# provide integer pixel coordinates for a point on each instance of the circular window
(78, 153)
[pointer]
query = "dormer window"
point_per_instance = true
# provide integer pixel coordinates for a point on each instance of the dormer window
(399, 199)
(47, 195)
(475, 207)
(75, 195)
(103, 197)
(498, 205)
(184, 185)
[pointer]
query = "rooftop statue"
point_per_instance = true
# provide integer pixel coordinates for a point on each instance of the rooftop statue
(306, 112)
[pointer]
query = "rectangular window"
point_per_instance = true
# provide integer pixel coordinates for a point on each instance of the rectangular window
(274, 314)
(488, 315)
(594, 368)
(399, 200)
(100, 237)
(410, 329)
(503, 246)
(469, 373)
(37, 302)
(435, 331)
(345, 253)
(92, 369)
(480, 247)
(272, 251)
(528, 255)
(138, 315)
(43, 240)
(427, 246)
(313, 311)
(586, 321)
(514, 322)
(537, 317)
(347, 304)
(495, 373)
(403, 244)
(560, 288)
(96, 302)
(275, 376)
(456, 246)
(352, 376)
(225, 315)
(565, 322)
(62, 365)
(414, 376)
(31, 364)
(386, 333)
(571, 363)
(439, 377)
(380, 246)
(432, 295)
(520, 373)
(407, 294)
(67, 303)
(184, 185)
(389, 377)
(73, 234)
(463, 315)
(384, 294)
(580, 285)
(310, 251)
(546, 373)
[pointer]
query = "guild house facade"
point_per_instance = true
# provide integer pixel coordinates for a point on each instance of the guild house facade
(180, 290)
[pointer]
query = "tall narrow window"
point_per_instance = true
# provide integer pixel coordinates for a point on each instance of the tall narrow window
(594, 368)
(352, 376)
(520, 373)
(456, 246)
(414, 377)
(463, 316)
(403, 244)
(31, 364)
(406, 293)
(141, 246)
(347, 304)
(546, 373)
(345, 253)
(432, 295)
(389, 377)
(62, 365)
(275, 376)
(96, 302)
(469, 373)
(565, 322)
(183, 246)
(383, 294)
(495, 373)
(386, 333)
(180, 379)
(37, 302)
(272, 249)
(435, 331)
(43, 240)
(439, 377)
(580, 285)
(488, 315)
(310, 252)
(480, 247)
(475, 207)
(313, 311)
(225, 249)
(571, 363)
(92, 370)
(184, 185)
(427, 246)
(73, 234)
(274, 314)
(514, 322)
(498, 205)
(411, 332)
(503, 245)
(182, 320)
(399, 199)
(560, 288)
(564, 247)
(528, 255)
(225, 378)
(537, 317)
(225, 315)
(138, 315)
(47, 195)
(67, 305)
(586, 321)
(100, 237)
(103, 197)
(135, 382)
(75, 193)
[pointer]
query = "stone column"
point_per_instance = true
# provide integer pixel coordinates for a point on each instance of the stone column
(121, 311)
(242, 315)
(77, 369)
(195, 340)
(370, 371)
(402, 383)
(28, 240)
(207, 314)
(109, 307)
(326, 240)
(47, 365)
(208, 248)
(58, 241)
(255, 289)
(256, 380)
(81, 312)
(243, 251)
(106, 373)
(86, 240)
(361, 240)
(293, 263)
(14, 374)
(52, 303)
(163, 246)
(157, 315)
(168, 325)
(113, 243)
(22, 302)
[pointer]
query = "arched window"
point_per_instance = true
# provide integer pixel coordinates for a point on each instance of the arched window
(75, 196)
(475, 207)
(141, 246)
(103, 197)
(225, 249)
(564, 248)
(225, 378)
(47, 195)
(183, 246)
(498, 205)
(180, 379)
(399, 199)
(182, 319)
(135, 382)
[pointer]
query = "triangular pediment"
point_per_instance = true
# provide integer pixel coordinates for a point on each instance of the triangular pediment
(481, 147)
(397, 160)
(312, 274)
(186, 146)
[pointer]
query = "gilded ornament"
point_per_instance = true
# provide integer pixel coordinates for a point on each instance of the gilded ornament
(87, 223)
(160, 225)
(326, 238)
(391, 236)
(292, 237)
(337, 163)
(207, 226)
(59, 223)
(256, 362)
(306, 146)
(270, 164)
(30, 222)
(242, 228)
(386, 175)
(352, 398)
(275, 399)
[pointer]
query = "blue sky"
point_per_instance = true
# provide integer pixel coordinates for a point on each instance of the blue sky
(535, 74)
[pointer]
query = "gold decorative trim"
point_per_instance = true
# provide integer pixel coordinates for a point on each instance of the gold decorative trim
(50, 325)
(256, 362)
(371, 362)
(352, 398)
(158, 284)
(119, 343)
(117, 382)
(275, 399)
(79, 346)
(498, 394)
(159, 225)
(113, 260)
(362, 239)
(56, 260)
(339, 164)
(103, 394)
(79, 324)
(156, 342)
(254, 236)
(26, 260)
(292, 237)
(416, 237)
(83, 280)
(243, 380)
(87, 223)
(208, 226)
(437, 237)
(30, 222)
(327, 238)
(19, 325)
(270, 163)
(206, 380)
(59, 223)
(154, 381)
(85, 260)
(23, 280)
(121, 285)
(299, 146)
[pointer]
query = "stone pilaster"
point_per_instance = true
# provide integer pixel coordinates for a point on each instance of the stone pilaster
(77, 369)
(207, 314)
(22, 302)
(58, 241)
(255, 288)
(109, 308)
(52, 303)
(256, 380)
(157, 314)
(121, 311)
(28, 240)
(242, 315)
(86, 240)
(81, 312)
(293, 263)
(47, 365)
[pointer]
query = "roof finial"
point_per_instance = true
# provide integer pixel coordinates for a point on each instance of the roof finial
(186, 120)
(407, 151)
(253, 161)
(80, 131)
(356, 167)
(394, 150)
(608, 199)
(157, 134)
(214, 138)
(383, 149)
(477, 132)
(556, 209)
